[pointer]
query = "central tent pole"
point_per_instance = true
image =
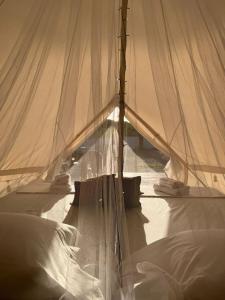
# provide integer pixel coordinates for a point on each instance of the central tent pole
(123, 46)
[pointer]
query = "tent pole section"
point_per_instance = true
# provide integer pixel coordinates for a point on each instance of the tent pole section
(122, 72)
(123, 46)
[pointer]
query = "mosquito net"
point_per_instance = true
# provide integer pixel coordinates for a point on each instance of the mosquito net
(55, 58)
(175, 62)
(59, 83)
(60, 63)
(60, 79)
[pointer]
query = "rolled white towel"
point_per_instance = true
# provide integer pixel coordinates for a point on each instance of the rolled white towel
(62, 179)
(62, 176)
(171, 183)
(164, 189)
(182, 191)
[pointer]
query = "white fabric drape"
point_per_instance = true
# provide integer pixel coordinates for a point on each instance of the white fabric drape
(58, 70)
(176, 84)
(58, 80)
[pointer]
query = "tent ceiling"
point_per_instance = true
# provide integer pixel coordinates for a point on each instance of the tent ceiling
(59, 64)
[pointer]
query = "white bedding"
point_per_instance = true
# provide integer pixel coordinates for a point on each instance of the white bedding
(192, 261)
(157, 284)
(159, 218)
(38, 261)
(156, 219)
(34, 199)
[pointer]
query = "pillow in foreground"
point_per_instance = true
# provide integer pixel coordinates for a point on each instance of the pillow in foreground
(157, 284)
(195, 259)
(38, 260)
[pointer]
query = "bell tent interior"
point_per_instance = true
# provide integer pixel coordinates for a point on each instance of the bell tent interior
(112, 142)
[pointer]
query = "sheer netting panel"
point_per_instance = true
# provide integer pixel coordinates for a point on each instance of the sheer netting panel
(58, 85)
(175, 77)
(58, 81)
(101, 216)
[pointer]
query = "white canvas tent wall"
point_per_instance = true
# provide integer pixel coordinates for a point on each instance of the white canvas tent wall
(59, 79)
(59, 69)
(176, 83)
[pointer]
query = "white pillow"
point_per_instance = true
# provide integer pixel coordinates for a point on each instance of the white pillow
(38, 260)
(193, 258)
(158, 284)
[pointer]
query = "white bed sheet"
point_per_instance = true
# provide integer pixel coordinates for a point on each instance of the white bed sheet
(159, 217)
(156, 219)
(34, 199)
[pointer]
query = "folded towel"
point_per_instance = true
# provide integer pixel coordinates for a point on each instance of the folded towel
(171, 183)
(182, 191)
(164, 189)
(62, 179)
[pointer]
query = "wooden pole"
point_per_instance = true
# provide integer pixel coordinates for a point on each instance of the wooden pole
(123, 46)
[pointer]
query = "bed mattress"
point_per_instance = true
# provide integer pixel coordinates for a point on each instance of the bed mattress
(155, 219)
